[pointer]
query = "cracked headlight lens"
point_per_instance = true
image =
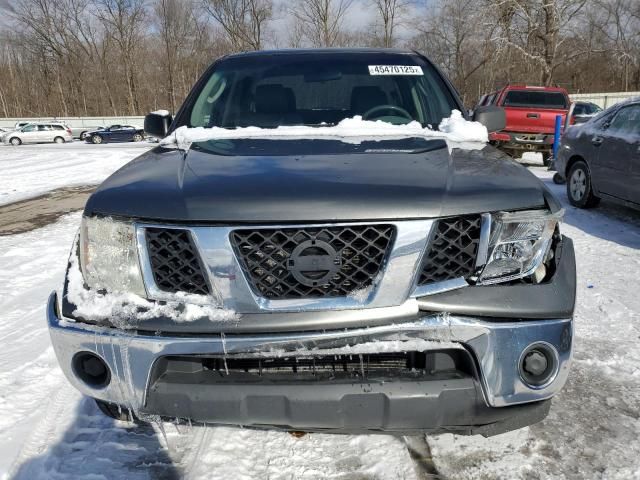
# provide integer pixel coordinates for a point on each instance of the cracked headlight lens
(109, 256)
(518, 244)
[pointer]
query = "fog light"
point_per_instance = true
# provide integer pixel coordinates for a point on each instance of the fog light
(535, 363)
(538, 365)
(91, 369)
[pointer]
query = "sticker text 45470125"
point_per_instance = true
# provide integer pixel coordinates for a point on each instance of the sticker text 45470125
(395, 70)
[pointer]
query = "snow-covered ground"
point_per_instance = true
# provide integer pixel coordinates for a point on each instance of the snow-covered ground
(29, 170)
(49, 431)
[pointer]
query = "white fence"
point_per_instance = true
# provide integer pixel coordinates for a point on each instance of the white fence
(604, 100)
(77, 121)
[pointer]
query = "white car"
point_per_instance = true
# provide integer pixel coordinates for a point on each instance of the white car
(39, 133)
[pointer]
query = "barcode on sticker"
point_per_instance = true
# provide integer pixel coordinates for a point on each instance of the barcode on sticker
(395, 70)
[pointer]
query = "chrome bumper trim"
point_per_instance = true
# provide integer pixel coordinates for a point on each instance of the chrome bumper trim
(496, 346)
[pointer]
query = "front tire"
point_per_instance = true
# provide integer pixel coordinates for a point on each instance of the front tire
(83, 135)
(58, 140)
(579, 187)
(96, 139)
(15, 141)
(137, 137)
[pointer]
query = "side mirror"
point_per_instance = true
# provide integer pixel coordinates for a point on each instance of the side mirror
(157, 123)
(491, 117)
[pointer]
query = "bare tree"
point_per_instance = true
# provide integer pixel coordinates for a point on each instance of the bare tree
(243, 21)
(321, 21)
(538, 29)
(390, 13)
(455, 36)
(87, 57)
(124, 22)
(622, 30)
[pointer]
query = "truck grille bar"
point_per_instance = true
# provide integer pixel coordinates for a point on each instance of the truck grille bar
(284, 263)
(175, 261)
(452, 251)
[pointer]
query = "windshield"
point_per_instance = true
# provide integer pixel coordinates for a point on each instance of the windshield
(321, 89)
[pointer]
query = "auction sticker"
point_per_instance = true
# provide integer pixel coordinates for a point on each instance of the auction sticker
(395, 70)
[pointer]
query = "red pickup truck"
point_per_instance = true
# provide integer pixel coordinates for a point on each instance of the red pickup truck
(531, 115)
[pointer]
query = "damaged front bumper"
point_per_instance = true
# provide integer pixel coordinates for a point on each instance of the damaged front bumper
(167, 374)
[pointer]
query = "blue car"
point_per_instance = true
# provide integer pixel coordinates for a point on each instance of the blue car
(115, 133)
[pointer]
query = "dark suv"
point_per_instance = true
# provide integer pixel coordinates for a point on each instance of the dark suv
(339, 266)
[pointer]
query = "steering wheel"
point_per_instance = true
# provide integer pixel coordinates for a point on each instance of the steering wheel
(366, 115)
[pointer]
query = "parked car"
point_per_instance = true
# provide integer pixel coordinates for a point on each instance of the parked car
(384, 284)
(39, 133)
(115, 133)
(82, 132)
(582, 112)
(531, 117)
(600, 159)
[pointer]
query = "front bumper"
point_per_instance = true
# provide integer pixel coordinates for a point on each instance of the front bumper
(492, 399)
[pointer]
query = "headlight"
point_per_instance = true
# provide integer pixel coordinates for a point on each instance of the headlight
(518, 244)
(109, 256)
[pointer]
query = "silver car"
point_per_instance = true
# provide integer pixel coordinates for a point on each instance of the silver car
(39, 133)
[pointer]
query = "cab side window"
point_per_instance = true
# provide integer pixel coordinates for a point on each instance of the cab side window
(30, 128)
(626, 121)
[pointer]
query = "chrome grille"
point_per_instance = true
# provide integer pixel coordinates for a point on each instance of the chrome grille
(348, 258)
(452, 251)
(175, 262)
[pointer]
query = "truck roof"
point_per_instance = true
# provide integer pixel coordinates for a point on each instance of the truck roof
(322, 51)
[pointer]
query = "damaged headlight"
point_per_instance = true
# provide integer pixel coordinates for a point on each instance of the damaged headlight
(518, 245)
(109, 256)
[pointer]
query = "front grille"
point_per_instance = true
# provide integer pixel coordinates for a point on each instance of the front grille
(285, 263)
(452, 251)
(175, 261)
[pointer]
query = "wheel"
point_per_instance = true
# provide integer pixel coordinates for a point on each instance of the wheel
(97, 139)
(116, 411)
(137, 137)
(579, 189)
(15, 141)
(546, 158)
(558, 179)
(83, 135)
(58, 140)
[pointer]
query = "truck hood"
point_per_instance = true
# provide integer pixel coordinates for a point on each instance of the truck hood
(278, 181)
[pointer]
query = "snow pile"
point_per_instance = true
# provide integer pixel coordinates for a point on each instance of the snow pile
(454, 128)
(379, 346)
(361, 295)
(28, 171)
(460, 130)
(126, 309)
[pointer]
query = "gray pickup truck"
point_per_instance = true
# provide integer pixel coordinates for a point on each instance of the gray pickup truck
(286, 277)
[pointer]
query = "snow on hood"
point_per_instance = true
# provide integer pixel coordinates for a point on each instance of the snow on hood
(353, 130)
(125, 309)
